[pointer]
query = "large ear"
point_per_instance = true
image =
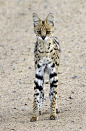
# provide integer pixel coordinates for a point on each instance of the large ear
(50, 19)
(35, 19)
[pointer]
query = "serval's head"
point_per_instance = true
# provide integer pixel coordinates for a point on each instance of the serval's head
(43, 29)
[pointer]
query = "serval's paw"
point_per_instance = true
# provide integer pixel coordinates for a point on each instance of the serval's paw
(53, 116)
(33, 118)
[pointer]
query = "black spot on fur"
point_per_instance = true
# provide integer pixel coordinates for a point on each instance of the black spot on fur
(53, 84)
(40, 51)
(39, 77)
(53, 53)
(46, 52)
(39, 66)
(48, 48)
(49, 44)
(53, 74)
(36, 94)
(51, 50)
(55, 92)
(55, 48)
(35, 62)
(57, 63)
(37, 86)
(53, 65)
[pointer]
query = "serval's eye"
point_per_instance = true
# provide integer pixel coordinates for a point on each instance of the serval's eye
(47, 32)
(39, 32)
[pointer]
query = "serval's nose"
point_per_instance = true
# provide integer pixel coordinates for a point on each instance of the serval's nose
(43, 37)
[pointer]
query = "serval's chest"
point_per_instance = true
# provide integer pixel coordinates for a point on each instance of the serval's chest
(46, 51)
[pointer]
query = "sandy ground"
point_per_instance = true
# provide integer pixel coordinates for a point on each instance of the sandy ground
(17, 65)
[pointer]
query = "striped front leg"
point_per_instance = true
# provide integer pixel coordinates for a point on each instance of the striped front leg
(39, 93)
(53, 94)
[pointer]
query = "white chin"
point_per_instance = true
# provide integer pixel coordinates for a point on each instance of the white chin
(46, 38)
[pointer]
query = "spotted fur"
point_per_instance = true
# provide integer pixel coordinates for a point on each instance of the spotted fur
(46, 56)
